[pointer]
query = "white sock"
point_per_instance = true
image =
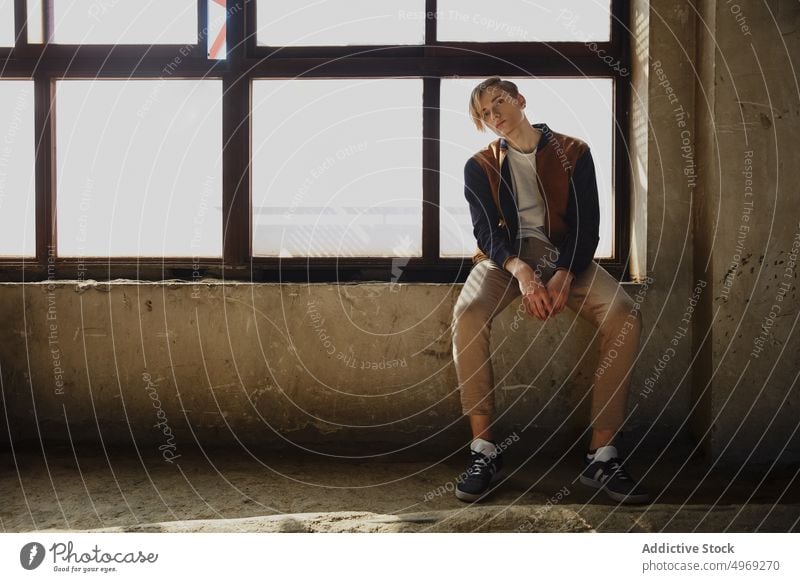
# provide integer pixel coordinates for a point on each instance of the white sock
(484, 447)
(605, 453)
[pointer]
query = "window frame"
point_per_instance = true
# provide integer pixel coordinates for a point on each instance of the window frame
(247, 61)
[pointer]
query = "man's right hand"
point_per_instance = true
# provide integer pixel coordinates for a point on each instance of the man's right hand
(535, 296)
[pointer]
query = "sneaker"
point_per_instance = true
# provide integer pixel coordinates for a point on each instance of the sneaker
(610, 476)
(485, 465)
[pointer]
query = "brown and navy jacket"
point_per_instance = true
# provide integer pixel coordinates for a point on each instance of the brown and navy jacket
(566, 177)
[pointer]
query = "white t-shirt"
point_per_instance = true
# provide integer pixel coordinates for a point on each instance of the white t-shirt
(529, 199)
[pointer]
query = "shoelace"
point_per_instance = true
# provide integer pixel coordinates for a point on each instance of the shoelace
(479, 463)
(617, 470)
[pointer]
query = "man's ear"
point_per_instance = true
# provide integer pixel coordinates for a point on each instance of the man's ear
(521, 99)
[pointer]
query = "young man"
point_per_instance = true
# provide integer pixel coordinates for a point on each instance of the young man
(532, 195)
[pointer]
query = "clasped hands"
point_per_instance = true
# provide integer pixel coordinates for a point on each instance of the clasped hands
(543, 301)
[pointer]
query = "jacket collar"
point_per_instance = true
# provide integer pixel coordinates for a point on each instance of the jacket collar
(546, 132)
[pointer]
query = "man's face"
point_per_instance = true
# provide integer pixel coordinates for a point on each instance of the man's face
(501, 112)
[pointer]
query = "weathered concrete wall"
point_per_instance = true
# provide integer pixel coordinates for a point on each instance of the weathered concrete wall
(257, 362)
(165, 364)
(661, 389)
(748, 236)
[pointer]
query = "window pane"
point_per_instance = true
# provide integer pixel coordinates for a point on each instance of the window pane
(35, 22)
(17, 184)
(6, 22)
(340, 22)
(125, 22)
(523, 20)
(581, 108)
(217, 28)
(337, 167)
(139, 168)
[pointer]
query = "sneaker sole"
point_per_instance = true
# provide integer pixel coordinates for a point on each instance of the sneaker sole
(640, 498)
(471, 497)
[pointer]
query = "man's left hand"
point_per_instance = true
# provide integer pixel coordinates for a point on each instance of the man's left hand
(558, 287)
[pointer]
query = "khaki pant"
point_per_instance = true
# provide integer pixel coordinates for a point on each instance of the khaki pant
(595, 295)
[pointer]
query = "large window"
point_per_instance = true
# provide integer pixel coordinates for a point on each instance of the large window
(524, 21)
(341, 22)
(246, 139)
(139, 168)
(337, 168)
(124, 22)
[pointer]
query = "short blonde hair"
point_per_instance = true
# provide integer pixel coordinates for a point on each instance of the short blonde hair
(491, 84)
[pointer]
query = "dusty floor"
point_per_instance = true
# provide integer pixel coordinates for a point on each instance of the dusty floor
(224, 490)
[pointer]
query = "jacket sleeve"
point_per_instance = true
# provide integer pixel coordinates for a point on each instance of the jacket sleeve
(577, 249)
(492, 239)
